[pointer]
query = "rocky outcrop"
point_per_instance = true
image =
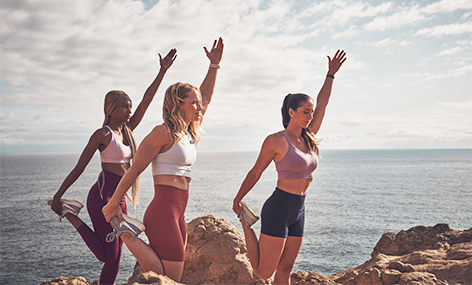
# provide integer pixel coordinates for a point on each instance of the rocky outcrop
(79, 280)
(421, 255)
(216, 254)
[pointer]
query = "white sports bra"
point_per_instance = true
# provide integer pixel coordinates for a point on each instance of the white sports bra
(177, 160)
(116, 151)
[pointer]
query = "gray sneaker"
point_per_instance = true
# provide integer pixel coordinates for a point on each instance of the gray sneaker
(68, 207)
(247, 215)
(129, 224)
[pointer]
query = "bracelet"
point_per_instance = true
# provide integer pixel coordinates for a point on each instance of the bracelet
(215, 66)
(330, 76)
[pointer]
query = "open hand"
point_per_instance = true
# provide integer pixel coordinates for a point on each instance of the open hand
(335, 63)
(216, 51)
(167, 61)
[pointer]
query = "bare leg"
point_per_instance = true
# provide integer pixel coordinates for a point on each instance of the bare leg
(264, 254)
(290, 254)
(150, 261)
(144, 253)
(74, 220)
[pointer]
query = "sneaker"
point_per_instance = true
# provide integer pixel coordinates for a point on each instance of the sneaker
(129, 224)
(68, 207)
(247, 215)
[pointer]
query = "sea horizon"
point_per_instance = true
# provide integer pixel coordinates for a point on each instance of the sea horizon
(356, 197)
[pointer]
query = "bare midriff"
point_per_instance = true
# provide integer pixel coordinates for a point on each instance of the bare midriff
(117, 168)
(180, 182)
(294, 186)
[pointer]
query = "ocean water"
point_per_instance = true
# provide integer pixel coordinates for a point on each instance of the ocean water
(357, 195)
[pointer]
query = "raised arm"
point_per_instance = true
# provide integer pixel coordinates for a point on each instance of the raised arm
(265, 158)
(148, 149)
(208, 84)
(325, 92)
(166, 62)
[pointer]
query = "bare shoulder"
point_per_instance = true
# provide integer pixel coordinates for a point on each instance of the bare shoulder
(275, 138)
(101, 135)
(274, 141)
(160, 134)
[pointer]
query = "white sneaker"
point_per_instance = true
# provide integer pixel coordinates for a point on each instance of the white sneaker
(247, 215)
(129, 224)
(68, 207)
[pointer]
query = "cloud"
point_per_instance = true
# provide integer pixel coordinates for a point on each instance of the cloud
(450, 51)
(415, 14)
(446, 30)
(58, 59)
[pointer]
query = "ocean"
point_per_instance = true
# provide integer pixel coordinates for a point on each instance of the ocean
(356, 196)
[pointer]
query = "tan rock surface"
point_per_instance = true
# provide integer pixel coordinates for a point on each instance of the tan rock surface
(421, 255)
(216, 254)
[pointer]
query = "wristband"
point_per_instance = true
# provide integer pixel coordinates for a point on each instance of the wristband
(215, 66)
(330, 76)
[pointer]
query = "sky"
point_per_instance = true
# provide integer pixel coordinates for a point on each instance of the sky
(407, 81)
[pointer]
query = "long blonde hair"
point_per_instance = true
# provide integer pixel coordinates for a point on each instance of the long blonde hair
(172, 113)
(113, 99)
(293, 101)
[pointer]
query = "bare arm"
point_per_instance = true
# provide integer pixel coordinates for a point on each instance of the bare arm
(166, 62)
(325, 92)
(94, 143)
(265, 158)
(208, 84)
(151, 145)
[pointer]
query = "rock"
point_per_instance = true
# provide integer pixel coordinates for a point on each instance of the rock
(421, 238)
(216, 254)
(421, 255)
(78, 280)
(308, 277)
(151, 278)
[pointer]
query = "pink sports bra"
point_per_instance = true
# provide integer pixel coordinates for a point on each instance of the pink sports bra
(296, 164)
(116, 151)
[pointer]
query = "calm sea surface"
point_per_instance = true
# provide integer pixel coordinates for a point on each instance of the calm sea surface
(356, 197)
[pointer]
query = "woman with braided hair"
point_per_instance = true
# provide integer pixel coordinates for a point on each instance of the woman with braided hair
(117, 148)
(294, 151)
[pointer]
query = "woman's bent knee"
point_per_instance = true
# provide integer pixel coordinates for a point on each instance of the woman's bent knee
(264, 273)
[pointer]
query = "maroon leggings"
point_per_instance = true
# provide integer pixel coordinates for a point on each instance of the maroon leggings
(165, 222)
(109, 253)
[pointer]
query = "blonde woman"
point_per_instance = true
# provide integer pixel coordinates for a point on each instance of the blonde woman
(294, 151)
(171, 148)
(117, 147)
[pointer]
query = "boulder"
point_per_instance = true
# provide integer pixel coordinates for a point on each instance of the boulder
(215, 254)
(78, 280)
(420, 255)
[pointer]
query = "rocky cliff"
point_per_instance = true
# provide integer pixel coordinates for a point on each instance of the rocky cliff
(216, 254)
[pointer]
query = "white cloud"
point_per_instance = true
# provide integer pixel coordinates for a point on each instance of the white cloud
(388, 42)
(450, 51)
(58, 59)
(403, 17)
(445, 30)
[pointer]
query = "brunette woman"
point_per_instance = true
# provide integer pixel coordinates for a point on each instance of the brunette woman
(294, 151)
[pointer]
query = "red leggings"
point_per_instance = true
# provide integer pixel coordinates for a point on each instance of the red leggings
(165, 222)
